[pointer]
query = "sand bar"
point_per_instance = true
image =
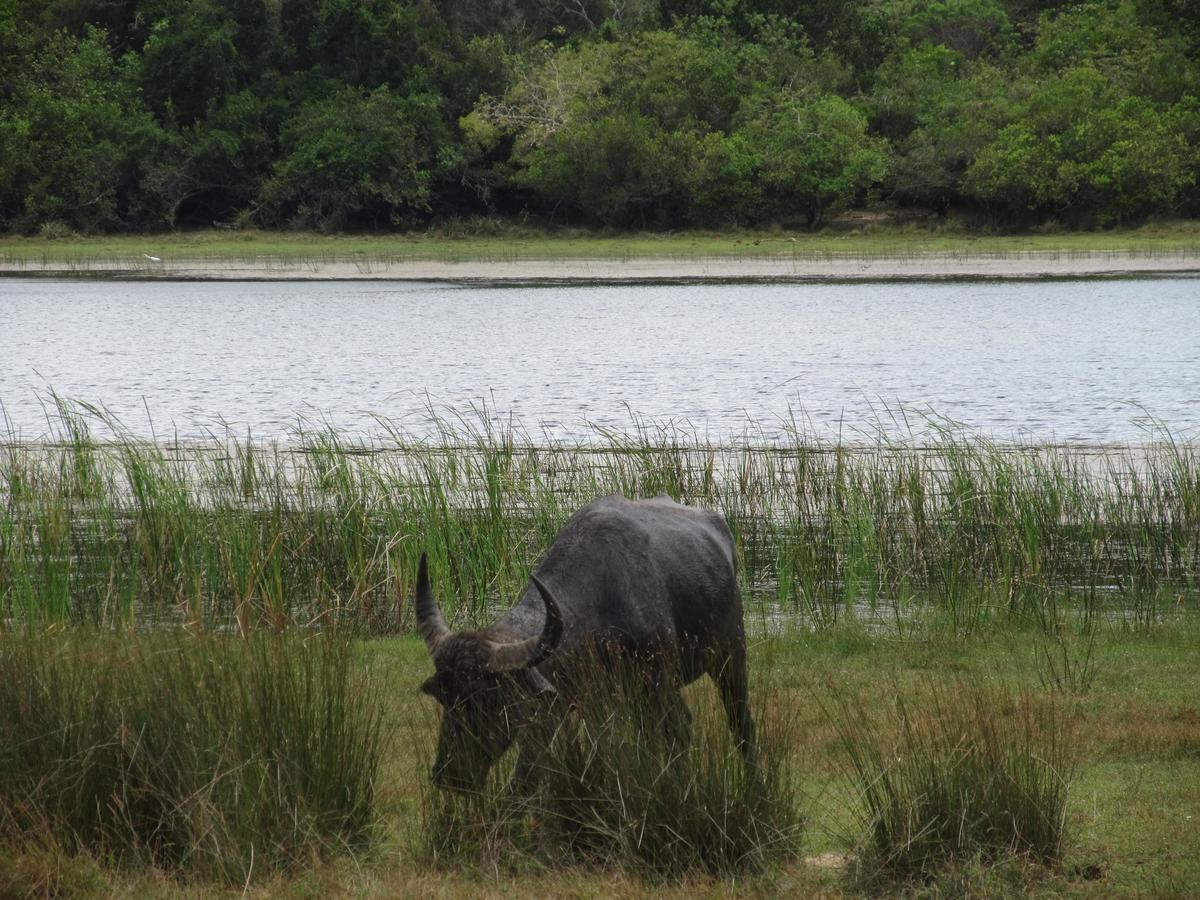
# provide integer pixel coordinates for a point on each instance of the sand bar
(816, 267)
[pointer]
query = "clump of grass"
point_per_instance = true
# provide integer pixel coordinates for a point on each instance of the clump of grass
(216, 756)
(53, 230)
(623, 788)
(971, 772)
(36, 866)
(1068, 663)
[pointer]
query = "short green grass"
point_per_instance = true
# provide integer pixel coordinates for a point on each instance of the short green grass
(516, 244)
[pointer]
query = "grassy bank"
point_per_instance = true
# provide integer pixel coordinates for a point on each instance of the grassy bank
(1129, 819)
(319, 529)
(513, 244)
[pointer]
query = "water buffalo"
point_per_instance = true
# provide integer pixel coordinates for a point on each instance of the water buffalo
(647, 582)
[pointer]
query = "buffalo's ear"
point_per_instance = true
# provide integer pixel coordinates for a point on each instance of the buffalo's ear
(429, 686)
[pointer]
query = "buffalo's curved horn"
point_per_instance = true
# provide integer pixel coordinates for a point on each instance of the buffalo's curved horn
(429, 617)
(532, 651)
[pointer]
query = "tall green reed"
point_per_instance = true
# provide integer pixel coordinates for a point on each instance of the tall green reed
(232, 531)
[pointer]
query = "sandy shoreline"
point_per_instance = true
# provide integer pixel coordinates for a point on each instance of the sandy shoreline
(1065, 264)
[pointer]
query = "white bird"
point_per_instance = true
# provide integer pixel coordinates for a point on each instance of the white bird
(152, 258)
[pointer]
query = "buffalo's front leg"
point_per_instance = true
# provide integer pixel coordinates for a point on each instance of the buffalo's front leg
(533, 748)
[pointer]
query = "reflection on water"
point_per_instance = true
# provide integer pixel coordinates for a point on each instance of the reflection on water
(1062, 360)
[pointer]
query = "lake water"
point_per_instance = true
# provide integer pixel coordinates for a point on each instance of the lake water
(1079, 361)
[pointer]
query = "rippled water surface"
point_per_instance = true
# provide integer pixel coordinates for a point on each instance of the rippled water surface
(1061, 360)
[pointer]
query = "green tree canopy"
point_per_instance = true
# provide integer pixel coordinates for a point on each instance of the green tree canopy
(1082, 149)
(144, 114)
(355, 158)
(75, 139)
(693, 125)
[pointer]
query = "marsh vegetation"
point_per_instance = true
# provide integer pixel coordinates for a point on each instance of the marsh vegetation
(321, 530)
(973, 667)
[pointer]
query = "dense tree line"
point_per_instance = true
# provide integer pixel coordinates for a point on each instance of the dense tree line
(339, 114)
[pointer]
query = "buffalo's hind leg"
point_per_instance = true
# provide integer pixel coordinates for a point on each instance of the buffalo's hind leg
(733, 682)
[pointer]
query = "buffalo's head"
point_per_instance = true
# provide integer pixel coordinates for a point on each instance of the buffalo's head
(487, 686)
